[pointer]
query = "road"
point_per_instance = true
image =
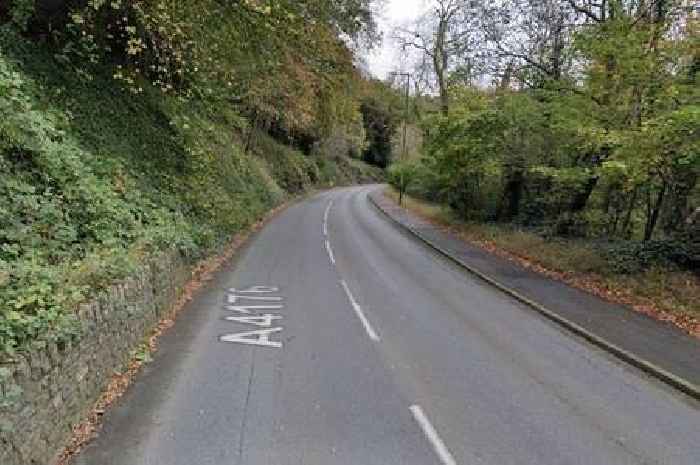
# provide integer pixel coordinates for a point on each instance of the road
(336, 339)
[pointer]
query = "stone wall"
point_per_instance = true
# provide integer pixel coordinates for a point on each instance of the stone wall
(47, 390)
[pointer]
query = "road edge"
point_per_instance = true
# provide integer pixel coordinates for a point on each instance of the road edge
(678, 383)
(202, 272)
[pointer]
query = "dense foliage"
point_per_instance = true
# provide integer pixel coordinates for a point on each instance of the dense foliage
(380, 126)
(131, 127)
(591, 129)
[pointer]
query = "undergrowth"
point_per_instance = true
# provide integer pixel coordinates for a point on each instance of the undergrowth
(94, 179)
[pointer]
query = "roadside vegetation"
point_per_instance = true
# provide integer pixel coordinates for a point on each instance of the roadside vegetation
(582, 153)
(662, 292)
(128, 128)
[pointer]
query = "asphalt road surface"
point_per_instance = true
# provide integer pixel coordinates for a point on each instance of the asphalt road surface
(336, 339)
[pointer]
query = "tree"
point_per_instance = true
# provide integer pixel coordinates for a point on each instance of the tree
(592, 125)
(444, 35)
(527, 39)
(380, 122)
(402, 175)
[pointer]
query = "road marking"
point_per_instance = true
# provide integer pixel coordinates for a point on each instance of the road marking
(247, 308)
(360, 314)
(257, 320)
(325, 218)
(233, 298)
(255, 290)
(259, 337)
(253, 315)
(440, 448)
(330, 252)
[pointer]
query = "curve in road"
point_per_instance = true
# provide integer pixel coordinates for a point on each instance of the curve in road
(334, 338)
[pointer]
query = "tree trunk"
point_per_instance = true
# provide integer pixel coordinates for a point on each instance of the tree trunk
(557, 47)
(581, 198)
(507, 77)
(612, 228)
(653, 212)
(611, 211)
(509, 207)
(251, 131)
(628, 216)
(444, 100)
(440, 61)
(677, 205)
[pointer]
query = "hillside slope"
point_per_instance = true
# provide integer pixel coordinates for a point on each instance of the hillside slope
(94, 178)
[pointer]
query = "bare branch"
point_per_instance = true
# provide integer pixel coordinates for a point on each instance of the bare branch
(526, 59)
(584, 10)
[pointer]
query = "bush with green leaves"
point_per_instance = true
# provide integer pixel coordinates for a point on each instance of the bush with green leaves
(629, 257)
(64, 229)
(402, 175)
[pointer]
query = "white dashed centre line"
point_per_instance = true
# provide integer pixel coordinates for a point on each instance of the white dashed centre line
(440, 448)
(360, 314)
(330, 252)
(325, 218)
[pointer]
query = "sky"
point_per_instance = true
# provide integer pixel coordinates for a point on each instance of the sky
(396, 12)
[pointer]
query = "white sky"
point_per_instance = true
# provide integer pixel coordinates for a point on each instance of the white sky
(396, 12)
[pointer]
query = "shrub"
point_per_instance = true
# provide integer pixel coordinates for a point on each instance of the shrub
(402, 175)
(633, 256)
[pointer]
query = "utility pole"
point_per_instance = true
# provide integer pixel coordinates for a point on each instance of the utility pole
(407, 86)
